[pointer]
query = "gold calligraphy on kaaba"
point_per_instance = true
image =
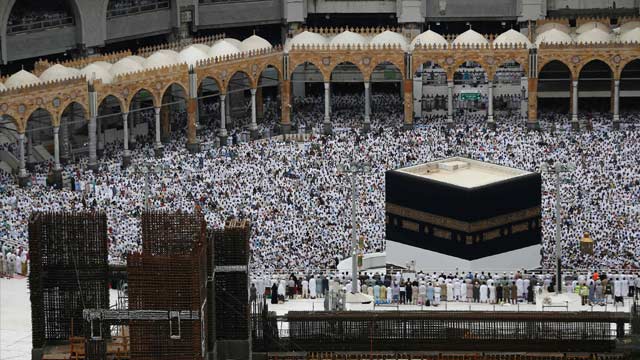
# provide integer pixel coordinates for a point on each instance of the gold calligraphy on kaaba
(490, 235)
(444, 234)
(468, 227)
(517, 228)
(410, 225)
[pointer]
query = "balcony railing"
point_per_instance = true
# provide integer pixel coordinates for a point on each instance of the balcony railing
(40, 25)
(126, 11)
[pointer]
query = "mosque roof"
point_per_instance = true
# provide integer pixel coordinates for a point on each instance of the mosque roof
(191, 55)
(470, 37)
(98, 71)
(223, 48)
(58, 72)
(253, 43)
(20, 79)
(511, 37)
(429, 37)
(553, 36)
(125, 66)
(348, 38)
(390, 38)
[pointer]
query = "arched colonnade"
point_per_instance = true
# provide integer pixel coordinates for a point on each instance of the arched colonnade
(147, 90)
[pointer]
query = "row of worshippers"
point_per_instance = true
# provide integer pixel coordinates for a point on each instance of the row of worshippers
(294, 195)
(602, 289)
(432, 289)
(13, 261)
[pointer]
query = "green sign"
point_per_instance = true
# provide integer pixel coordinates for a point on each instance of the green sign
(473, 96)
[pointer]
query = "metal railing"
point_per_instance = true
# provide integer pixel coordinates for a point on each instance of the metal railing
(469, 331)
(40, 25)
(160, 5)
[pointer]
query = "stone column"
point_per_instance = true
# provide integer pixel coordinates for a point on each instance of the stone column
(254, 123)
(132, 123)
(100, 137)
(126, 154)
(326, 125)
(23, 177)
(222, 133)
(532, 121)
(491, 124)
(575, 125)
(408, 104)
(367, 106)
(56, 148)
(616, 104)
(93, 144)
(165, 118)
(66, 144)
(57, 169)
(192, 142)
(31, 162)
(450, 103)
(157, 149)
(285, 106)
(259, 104)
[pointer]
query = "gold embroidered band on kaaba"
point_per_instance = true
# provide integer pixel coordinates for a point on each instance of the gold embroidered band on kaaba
(468, 227)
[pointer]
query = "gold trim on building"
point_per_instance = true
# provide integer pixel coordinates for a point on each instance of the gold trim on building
(410, 225)
(468, 227)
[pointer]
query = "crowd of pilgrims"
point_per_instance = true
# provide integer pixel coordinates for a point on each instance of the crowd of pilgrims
(298, 202)
(430, 289)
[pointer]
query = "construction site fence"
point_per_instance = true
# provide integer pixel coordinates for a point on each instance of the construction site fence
(437, 331)
(448, 356)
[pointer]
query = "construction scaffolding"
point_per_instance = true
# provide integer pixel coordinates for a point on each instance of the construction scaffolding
(232, 280)
(69, 272)
(169, 276)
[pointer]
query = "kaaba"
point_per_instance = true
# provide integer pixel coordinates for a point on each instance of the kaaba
(463, 214)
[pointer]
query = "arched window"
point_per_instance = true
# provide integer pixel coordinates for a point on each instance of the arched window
(36, 15)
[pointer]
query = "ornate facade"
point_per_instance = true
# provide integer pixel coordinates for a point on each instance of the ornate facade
(54, 97)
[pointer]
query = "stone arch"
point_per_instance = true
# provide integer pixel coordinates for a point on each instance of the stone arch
(584, 63)
(238, 95)
(12, 119)
(369, 73)
(374, 64)
(268, 90)
(120, 100)
(164, 90)
(594, 77)
(208, 101)
(542, 64)
(629, 86)
(265, 67)
(132, 95)
(66, 105)
(550, 79)
(28, 115)
(38, 128)
(233, 74)
(167, 108)
(339, 62)
(295, 67)
(210, 77)
(621, 67)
